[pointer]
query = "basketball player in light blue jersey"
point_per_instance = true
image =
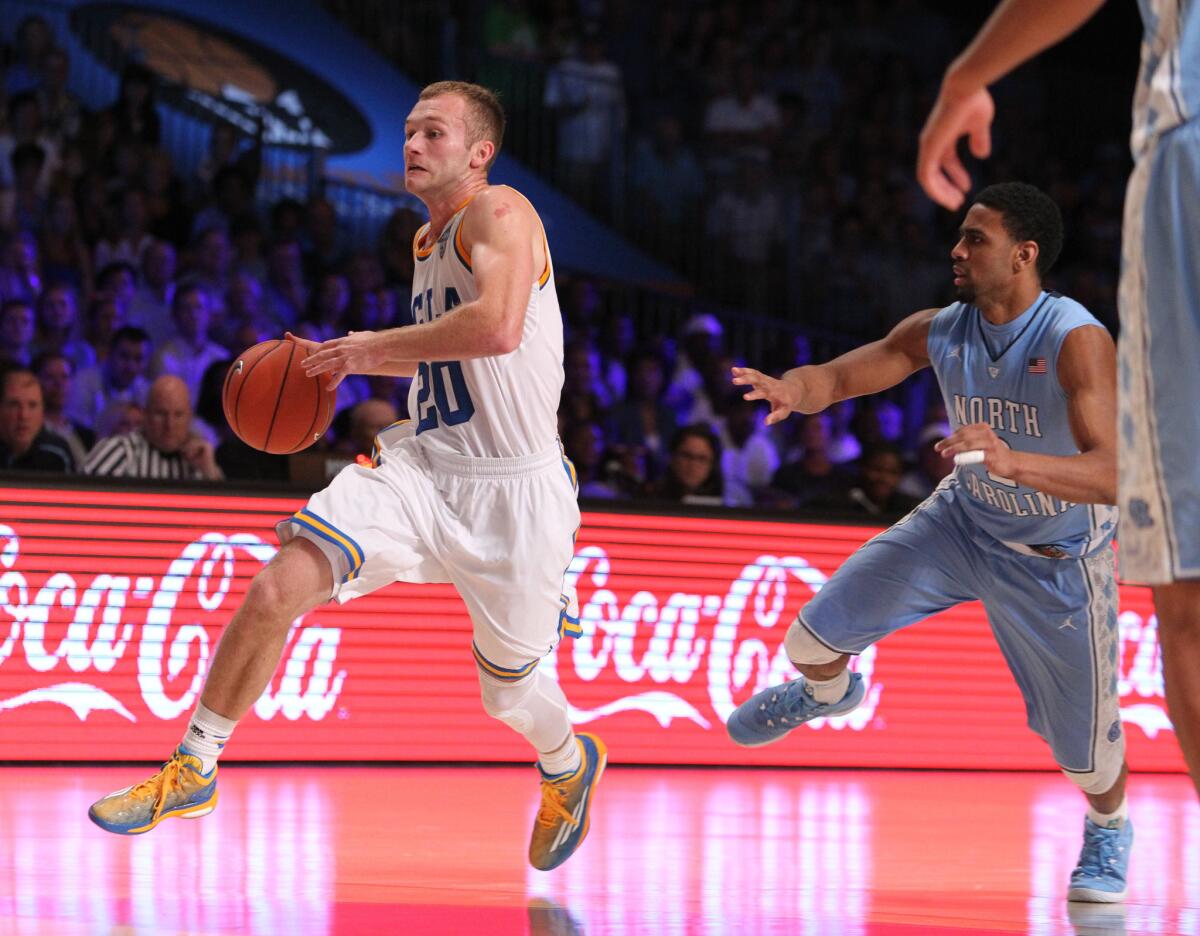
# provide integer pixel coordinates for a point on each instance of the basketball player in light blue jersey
(1028, 378)
(1159, 297)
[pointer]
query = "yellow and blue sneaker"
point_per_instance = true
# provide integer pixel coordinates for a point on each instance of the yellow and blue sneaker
(562, 821)
(179, 789)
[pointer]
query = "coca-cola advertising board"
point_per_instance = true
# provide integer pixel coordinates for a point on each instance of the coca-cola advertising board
(112, 602)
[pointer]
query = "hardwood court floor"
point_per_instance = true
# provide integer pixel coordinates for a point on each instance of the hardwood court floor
(353, 850)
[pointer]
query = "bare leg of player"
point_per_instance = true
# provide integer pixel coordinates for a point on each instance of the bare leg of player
(295, 581)
(1178, 607)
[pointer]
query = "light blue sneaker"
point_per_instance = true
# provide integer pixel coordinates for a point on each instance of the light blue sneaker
(1100, 876)
(772, 713)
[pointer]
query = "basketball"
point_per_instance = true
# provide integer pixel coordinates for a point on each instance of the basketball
(271, 404)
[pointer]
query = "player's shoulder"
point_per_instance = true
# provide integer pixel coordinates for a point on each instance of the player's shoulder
(1068, 313)
(498, 201)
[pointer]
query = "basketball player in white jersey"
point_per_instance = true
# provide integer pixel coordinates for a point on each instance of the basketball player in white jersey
(474, 490)
(1159, 296)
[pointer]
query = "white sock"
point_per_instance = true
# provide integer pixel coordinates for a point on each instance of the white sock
(206, 735)
(830, 690)
(564, 759)
(1112, 820)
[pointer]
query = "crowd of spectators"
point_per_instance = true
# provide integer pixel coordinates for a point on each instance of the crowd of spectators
(126, 288)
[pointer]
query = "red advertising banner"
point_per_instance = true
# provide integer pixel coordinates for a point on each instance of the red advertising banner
(112, 602)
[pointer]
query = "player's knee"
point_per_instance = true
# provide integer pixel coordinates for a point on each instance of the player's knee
(1097, 781)
(505, 701)
(804, 649)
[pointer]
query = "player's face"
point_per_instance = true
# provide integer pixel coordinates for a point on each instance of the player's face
(983, 256)
(437, 154)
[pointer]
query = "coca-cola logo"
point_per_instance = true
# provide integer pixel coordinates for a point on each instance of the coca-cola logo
(729, 643)
(164, 624)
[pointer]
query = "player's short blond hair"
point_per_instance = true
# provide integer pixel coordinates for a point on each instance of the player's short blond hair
(486, 118)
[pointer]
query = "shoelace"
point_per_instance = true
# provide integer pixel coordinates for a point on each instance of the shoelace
(1100, 853)
(167, 780)
(554, 806)
(789, 701)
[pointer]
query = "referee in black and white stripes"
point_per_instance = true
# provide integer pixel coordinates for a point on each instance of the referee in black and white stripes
(164, 447)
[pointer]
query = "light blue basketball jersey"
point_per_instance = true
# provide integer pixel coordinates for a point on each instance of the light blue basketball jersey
(1007, 376)
(1168, 87)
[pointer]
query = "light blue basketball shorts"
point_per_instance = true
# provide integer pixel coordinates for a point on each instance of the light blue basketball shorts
(1054, 619)
(1159, 354)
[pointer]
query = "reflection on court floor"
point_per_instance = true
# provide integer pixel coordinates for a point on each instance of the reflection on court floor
(442, 850)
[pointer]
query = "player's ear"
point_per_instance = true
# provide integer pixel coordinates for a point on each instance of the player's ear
(1027, 254)
(482, 153)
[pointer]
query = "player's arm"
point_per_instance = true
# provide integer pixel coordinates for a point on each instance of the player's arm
(1016, 31)
(498, 229)
(870, 368)
(387, 369)
(1087, 371)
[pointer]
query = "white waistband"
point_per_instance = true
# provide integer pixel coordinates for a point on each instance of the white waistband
(466, 466)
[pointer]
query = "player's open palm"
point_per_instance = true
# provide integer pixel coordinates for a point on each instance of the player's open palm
(780, 395)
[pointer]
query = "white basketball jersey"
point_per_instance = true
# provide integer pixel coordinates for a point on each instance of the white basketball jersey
(504, 406)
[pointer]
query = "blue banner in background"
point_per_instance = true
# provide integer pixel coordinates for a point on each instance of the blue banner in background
(314, 84)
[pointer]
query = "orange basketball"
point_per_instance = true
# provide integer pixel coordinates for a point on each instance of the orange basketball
(271, 403)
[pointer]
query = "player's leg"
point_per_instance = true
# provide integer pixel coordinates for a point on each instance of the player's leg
(332, 548)
(1159, 356)
(511, 576)
(294, 582)
(1178, 607)
(918, 567)
(1056, 623)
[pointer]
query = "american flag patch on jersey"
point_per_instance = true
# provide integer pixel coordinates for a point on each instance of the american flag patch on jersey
(1037, 365)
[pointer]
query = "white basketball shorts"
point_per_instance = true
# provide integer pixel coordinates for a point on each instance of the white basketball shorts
(502, 530)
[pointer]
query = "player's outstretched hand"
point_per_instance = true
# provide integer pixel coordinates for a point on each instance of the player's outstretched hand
(779, 394)
(357, 353)
(998, 458)
(939, 170)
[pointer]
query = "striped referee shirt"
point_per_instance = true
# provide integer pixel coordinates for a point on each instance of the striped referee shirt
(130, 456)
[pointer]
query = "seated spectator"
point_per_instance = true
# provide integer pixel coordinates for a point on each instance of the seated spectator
(326, 317)
(667, 176)
(208, 420)
(120, 379)
(325, 248)
(118, 281)
(62, 112)
(189, 352)
(742, 121)
(21, 270)
(24, 206)
(702, 344)
(693, 473)
(127, 236)
(584, 446)
(151, 305)
(134, 112)
(34, 42)
(932, 466)
(586, 94)
(367, 419)
(813, 476)
(65, 257)
(16, 332)
(58, 326)
(55, 372)
(285, 297)
(749, 458)
(874, 491)
(25, 126)
(164, 448)
(25, 442)
(643, 421)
